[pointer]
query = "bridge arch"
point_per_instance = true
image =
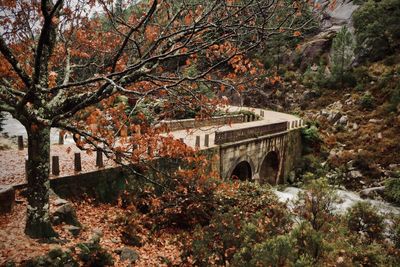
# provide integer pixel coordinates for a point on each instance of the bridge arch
(269, 168)
(243, 169)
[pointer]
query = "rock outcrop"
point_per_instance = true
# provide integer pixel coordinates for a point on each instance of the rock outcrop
(7, 198)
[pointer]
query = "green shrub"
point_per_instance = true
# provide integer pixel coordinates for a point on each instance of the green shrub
(376, 26)
(310, 138)
(247, 214)
(394, 99)
(392, 190)
(369, 255)
(367, 101)
(276, 251)
(316, 78)
(311, 165)
(363, 218)
(309, 241)
(290, 76)
(342, 57)
(309, 78)
(54, 258)
(359, 87)
(315, 203)
(395, 231)
(92, 254)
(251, 228)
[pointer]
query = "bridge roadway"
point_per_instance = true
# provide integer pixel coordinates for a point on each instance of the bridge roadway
(266, 117)
(12, 162)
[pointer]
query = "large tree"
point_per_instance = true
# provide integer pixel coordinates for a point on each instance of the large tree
(64, 62)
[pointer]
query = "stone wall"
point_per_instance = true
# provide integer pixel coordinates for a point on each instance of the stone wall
(293, 152)
(106, 184)
(235, 135)
(175, 125)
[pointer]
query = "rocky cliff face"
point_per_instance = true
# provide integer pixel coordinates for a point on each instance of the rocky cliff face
(338, 15)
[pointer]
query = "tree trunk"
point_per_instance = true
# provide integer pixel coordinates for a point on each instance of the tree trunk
(38, 223)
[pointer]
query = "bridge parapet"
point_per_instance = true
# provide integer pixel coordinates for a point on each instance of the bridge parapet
(176, 125)
(234, 135)
(295, 124)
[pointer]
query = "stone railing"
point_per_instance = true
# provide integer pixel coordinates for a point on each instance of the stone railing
(222, 137)
(295, 124)
(175, 125)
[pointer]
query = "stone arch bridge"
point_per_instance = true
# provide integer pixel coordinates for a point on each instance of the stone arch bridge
(259, 145)
(263, 148)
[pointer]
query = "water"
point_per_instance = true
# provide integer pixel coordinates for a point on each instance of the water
(12, 127)
(348, 199)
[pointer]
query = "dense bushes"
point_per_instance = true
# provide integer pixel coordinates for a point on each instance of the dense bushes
(342, 57)
(315, 204)
(376, 26)
(246, 215)
(392, 190)
(367, 101)
(310, 138)
(394, 101)
(251, 228)
(363, 218)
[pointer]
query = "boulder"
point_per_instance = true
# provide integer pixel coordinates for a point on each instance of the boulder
(355, 174)
(375, 121)
(74, 230)
(130, 237)
(60, 201)
(7, 198)
(394, 166)
(335, 106)
(343, 120)
(128, 254)
(372, 192)
(310, 94)
(334, 116)
(65, 214)
(55, 257)
(313, 50)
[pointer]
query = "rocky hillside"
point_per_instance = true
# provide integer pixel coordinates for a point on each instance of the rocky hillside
(356, 110)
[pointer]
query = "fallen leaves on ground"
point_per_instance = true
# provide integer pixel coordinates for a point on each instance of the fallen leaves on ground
(157, 249)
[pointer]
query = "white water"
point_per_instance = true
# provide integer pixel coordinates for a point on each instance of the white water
(347, 200)
(12, 127)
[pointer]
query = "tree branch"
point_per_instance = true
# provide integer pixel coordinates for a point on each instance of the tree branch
(6, 51)
(132, 30)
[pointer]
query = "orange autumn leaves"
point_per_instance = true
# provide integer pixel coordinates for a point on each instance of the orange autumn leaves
(242, 67)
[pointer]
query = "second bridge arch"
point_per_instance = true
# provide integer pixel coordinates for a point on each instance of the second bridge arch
(269, 168)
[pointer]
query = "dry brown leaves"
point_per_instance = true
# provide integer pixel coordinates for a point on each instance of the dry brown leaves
(16, 246)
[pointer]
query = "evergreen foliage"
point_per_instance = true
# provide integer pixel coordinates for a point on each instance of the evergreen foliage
(310, 138)
(342, 55)
(363, 218)
(377, 31)
(392, 190)
(250, 228)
